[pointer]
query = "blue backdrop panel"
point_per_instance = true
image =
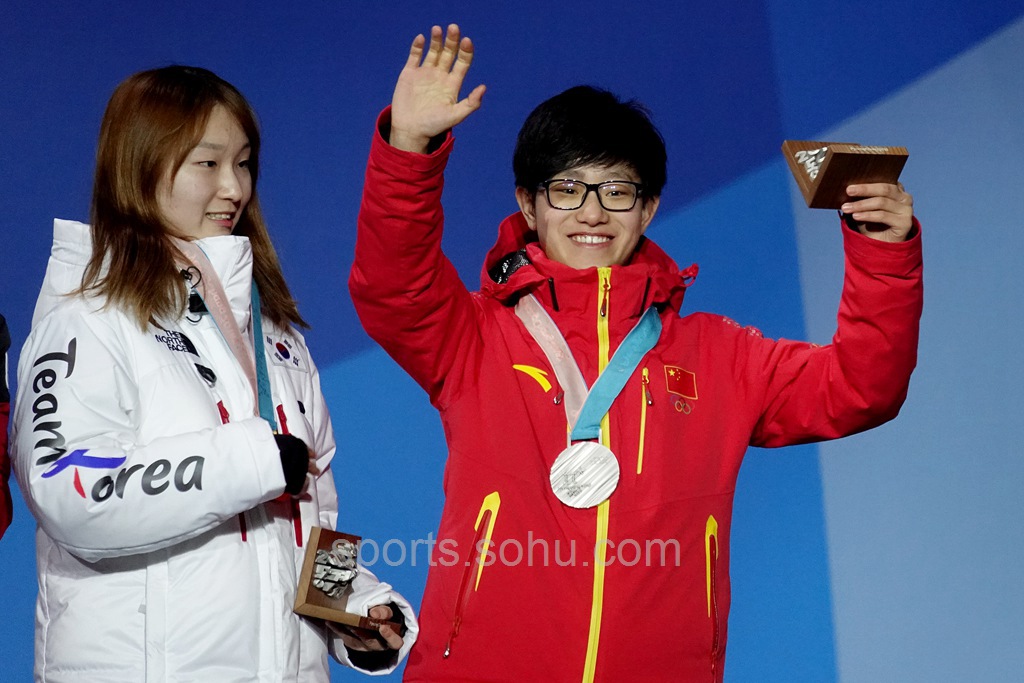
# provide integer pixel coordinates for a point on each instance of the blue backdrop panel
(318, 73)
(924, 515)
(923, 520)
(834, 59)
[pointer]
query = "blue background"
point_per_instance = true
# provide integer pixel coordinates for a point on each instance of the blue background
(890, 556)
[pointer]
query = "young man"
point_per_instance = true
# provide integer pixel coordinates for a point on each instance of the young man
(586, 536)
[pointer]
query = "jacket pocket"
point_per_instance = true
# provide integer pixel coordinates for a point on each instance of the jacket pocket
(483, 529)
(711, 556)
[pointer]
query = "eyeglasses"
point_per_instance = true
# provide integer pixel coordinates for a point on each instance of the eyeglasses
(614, 195)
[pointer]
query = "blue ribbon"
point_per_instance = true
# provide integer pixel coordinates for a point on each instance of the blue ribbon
(259, 351)
(637, 343)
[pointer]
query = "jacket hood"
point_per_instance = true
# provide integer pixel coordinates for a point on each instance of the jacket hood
(72, 247)
(231, 256)
(516, 265)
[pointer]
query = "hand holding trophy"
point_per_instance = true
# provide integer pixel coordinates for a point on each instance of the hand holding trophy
(861, 181)
(325, 586)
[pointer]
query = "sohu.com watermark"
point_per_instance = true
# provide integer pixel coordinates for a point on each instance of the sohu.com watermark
(512, 552)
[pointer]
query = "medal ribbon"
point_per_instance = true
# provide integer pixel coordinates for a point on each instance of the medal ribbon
(266, 401)
(211, 291)
(584, 409)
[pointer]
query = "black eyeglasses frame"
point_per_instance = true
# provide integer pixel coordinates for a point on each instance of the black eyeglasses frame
(591, 187)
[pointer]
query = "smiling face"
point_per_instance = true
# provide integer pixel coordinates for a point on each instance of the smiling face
(208, 193)
(590, 236)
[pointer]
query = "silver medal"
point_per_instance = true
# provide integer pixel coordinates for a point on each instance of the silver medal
(585, 474)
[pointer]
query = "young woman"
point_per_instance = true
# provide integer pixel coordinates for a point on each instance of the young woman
(174, 473)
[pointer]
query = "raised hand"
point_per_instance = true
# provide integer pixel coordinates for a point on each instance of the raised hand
(426, 101)
(885, 212)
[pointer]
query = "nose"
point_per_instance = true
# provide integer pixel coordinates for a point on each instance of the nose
(591, 213)
(231, 185)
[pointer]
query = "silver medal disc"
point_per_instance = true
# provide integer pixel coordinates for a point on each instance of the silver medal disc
(584, 474)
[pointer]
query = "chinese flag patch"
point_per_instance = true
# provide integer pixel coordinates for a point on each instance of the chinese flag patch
(681, 382)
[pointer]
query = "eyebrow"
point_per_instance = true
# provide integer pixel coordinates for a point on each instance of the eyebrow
(216, 146)
(623, 171)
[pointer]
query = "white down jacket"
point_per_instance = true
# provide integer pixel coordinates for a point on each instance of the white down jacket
(163, 550)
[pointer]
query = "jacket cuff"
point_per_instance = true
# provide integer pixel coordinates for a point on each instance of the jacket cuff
(862, 247)
(265, 454)
(377, 593)
(379, 660)
(428, 164)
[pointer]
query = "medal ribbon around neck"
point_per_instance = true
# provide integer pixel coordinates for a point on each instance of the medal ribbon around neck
(254, 365)
(586, 473)
(266, 401)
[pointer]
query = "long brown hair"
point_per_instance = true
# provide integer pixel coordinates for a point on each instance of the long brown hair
(152, 122)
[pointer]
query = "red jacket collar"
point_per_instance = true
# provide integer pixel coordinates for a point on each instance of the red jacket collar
(651, 277)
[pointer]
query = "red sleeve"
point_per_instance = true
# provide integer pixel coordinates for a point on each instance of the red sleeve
(6, 509)
(860, 380)
(407, 294)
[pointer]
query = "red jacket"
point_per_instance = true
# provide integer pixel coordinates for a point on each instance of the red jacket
(6, 508)
(514, 592)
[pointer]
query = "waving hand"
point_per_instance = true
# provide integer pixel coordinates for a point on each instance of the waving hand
(426, 101)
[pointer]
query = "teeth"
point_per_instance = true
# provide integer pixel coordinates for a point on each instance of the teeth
(219, 216)
(590, 239)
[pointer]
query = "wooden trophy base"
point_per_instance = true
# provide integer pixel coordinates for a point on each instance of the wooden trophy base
(311, 601)
(824, 170)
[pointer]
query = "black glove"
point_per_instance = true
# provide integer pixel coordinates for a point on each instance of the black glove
(294, 462)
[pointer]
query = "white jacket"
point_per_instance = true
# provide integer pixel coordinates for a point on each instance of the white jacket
(163, 551)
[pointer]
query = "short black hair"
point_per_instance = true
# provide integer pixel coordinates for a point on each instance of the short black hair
(588, 125)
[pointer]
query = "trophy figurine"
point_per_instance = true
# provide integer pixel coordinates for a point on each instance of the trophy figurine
(325, 584)
(824, 170)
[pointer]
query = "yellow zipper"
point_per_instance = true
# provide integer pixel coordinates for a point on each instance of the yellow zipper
(645, 400)
(604, 276)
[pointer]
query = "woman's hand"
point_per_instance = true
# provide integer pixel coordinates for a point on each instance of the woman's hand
(362, 642)
(426, 100)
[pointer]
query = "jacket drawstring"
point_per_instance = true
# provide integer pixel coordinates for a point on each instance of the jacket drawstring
(554, 299)
(643, 299)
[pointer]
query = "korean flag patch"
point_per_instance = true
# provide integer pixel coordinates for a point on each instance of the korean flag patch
(284, 352)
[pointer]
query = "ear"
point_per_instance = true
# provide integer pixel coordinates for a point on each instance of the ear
(647, 211)
(527, 205)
